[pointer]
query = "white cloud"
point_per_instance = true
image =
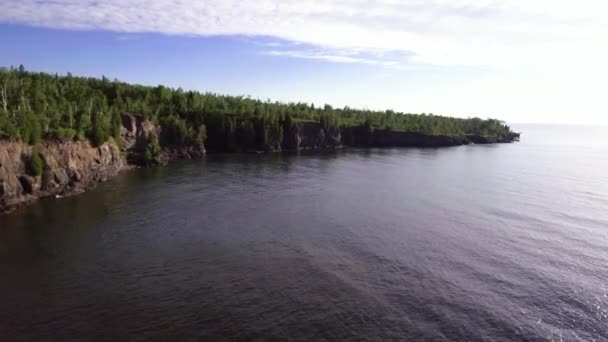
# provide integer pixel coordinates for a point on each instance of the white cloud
(547, 57)
(341, 56)
(548, 34)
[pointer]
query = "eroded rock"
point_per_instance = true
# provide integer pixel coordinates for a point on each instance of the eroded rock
(69, 167)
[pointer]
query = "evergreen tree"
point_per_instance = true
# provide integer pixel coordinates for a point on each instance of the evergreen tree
(38, 105)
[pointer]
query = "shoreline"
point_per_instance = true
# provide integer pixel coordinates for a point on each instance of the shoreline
(111, 162)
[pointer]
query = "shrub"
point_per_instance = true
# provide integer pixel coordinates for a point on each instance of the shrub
(80, 136)
(120, 143)
(201, 135)
(64, 133)
(99, 135)
(116, 125)
(152, 151)
(35, 164)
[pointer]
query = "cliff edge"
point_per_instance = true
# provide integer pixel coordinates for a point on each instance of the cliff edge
(66, 168)
(61, 168)
(70, 167)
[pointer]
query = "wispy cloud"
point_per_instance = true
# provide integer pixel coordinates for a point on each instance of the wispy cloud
(126, 37)
(302, 51)
(518, 34)
(328, 56)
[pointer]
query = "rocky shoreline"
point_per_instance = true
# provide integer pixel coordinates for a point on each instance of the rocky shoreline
(72, 167)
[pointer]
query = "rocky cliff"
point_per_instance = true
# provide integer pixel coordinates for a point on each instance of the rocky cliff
(67, 168)
(312, 135)
(385, 138)
(300, 135)
(136, 133)
(358, 136)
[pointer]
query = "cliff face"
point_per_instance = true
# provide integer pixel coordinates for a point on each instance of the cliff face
(475, 139)
(300, 135)
(137, 132)
(312, 135)
(358, 136)
(382, 138)
(69, 167)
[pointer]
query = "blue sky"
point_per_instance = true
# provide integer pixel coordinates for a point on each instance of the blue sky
(532, 61)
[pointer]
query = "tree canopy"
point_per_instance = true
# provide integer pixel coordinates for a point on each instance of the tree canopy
(34, 106)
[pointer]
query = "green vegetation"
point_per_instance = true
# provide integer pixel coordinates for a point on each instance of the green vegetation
(35, 164)
(38, 105)
(152, 151)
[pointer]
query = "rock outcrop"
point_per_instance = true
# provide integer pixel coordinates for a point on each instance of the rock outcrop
(385, 138)
(358, 136)
(71, 167)
(476, 139)
(312, 135)
(137, 132)
(68, 168)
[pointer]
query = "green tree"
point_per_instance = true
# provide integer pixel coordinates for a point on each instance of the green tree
(152, 151)
(116, 124)
(99, 132)
(36, 105)
(35, 164)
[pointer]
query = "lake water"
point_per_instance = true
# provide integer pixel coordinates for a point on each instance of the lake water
(473, 243)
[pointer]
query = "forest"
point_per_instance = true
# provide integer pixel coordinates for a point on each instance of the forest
(36, 106)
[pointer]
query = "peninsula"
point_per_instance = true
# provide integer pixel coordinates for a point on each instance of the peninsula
(61, 135)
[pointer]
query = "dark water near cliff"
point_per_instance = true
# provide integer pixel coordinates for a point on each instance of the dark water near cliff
(473, 243)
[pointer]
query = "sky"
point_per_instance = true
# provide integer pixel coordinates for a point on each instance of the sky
(541, 61)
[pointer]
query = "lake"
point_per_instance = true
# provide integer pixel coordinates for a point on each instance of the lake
(474, 243)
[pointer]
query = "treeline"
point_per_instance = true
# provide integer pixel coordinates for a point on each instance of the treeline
(34, 106)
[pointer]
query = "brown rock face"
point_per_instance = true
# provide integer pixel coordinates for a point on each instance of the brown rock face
(312, 135)
(135, 134)
(69, 167)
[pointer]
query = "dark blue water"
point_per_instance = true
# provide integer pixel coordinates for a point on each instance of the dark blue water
(472, 243)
